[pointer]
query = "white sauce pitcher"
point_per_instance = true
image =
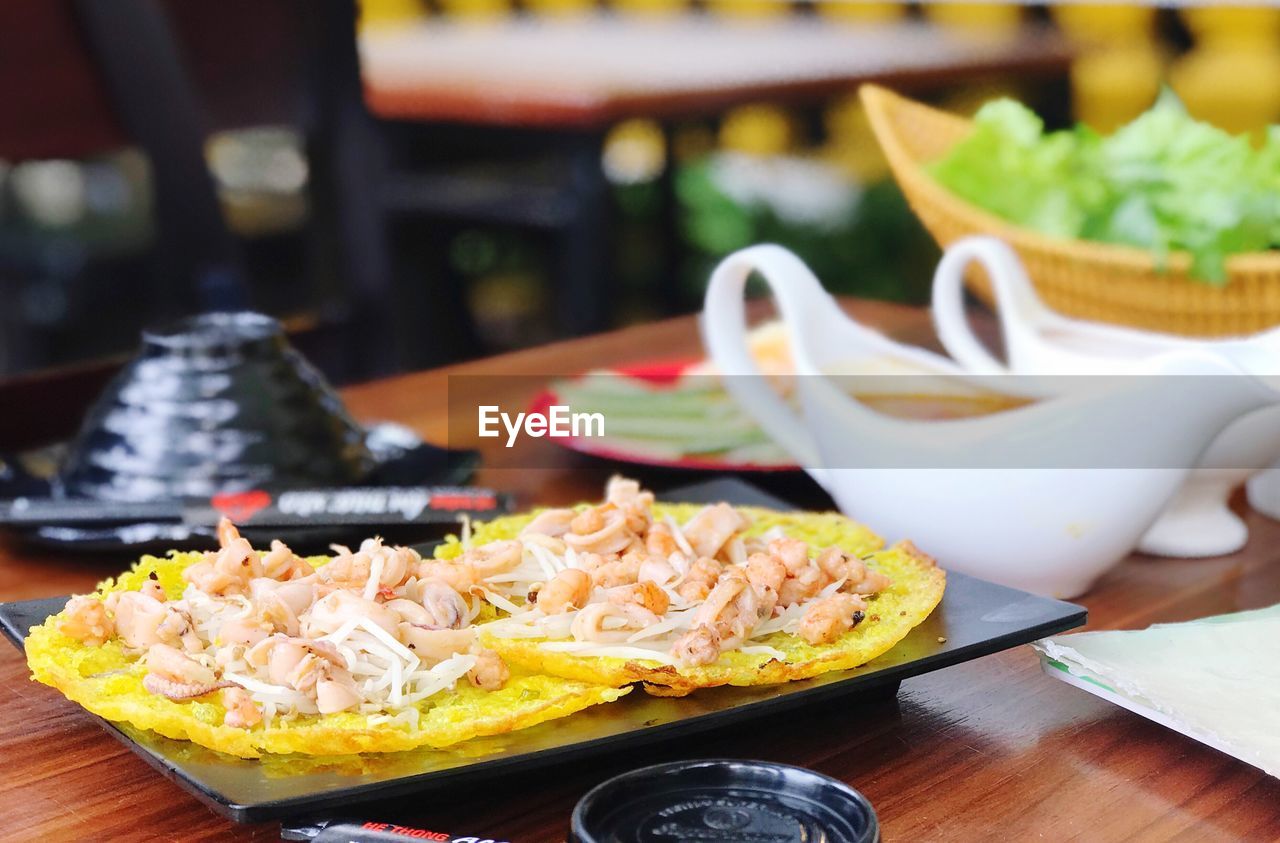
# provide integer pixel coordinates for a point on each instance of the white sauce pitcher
(1048, 530)
(1038, 341)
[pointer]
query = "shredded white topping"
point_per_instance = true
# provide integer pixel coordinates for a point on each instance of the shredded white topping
(375, 575)
(678, 532)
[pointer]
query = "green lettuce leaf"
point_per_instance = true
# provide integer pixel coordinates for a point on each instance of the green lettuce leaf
(1165, 182)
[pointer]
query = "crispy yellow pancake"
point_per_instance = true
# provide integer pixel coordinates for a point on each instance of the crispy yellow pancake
(917, 588)
(108, 682)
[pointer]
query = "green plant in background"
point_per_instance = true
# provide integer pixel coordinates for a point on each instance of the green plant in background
(859, 241)
(1165, 182)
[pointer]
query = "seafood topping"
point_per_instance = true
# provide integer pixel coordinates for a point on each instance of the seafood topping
(375, 630)
(617, 580)
(378, 629)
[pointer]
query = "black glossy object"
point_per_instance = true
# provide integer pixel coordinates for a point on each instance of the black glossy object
(976, 618)
(213, 403)
(725, 801)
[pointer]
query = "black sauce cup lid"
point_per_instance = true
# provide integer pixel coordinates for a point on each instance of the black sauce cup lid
(725, 801)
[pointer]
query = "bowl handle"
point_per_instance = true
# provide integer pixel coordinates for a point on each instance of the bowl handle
(801, 301)
(1017, 305)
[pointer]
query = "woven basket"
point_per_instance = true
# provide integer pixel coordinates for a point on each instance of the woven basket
(1087, 280)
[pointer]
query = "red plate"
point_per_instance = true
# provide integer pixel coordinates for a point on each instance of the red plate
(658, 372)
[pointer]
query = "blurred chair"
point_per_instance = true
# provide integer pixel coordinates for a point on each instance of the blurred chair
(475, 10)
(869, 12)
(649, 8)
(1118, 72)
(560, 8)
(761, 128)
(390, 12)
(748, 9)
(980, 19)
(82, 77)
(1231, 77)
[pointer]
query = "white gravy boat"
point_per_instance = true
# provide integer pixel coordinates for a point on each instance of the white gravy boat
(1048, 530)
(1038, 341)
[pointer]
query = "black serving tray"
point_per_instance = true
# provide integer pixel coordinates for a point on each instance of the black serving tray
(976, 618)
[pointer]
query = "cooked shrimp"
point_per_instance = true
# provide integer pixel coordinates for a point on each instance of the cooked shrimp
(735, 607)
(353, 570)
(764, 569)
(660, 541)
(281, 563)
(410, 612)
(568, 590)
(86, 620)
(297, 594)
(173, 674)
(241, 712)
(280, 654)
(857, 577)
(490, 672)
(244, 630)
(177, 666)
(226, 532)
(441, 607)
(633, 502)
(699, 646)
(205, 577)
(803, 586)
(549, 522)
(712, 527)
(142, 621)
(314, 668)
(829, 618)
(610, 622)
(309, 671)
(473, 566)
(153, 588)
(229, 569)
(329, 613)
(731, 584)
(602, 529)
(700, 579)
(447, 607)
(623, 571)
(589, 521)
(874, 583)
(645, 594)
(792, 553)
(622, 490)
(436, 645)
(334, 695)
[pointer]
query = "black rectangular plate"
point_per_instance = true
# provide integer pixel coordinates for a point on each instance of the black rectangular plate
(976, 618)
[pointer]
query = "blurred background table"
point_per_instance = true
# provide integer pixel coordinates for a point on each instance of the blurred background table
(587, 73)
(519, 84)
(990, 749)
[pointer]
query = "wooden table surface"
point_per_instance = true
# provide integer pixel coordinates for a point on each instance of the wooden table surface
(589, 72)
(987, 750)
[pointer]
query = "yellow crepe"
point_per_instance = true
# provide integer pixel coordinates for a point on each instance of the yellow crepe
(917, 588)
(108, 682)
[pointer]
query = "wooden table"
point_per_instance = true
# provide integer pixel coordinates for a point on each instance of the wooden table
(987, 750)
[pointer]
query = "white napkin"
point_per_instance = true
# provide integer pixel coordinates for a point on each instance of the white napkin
(1218, 677)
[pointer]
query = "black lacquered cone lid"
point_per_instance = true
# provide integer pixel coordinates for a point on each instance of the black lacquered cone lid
(212, 403)
(723, 801)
